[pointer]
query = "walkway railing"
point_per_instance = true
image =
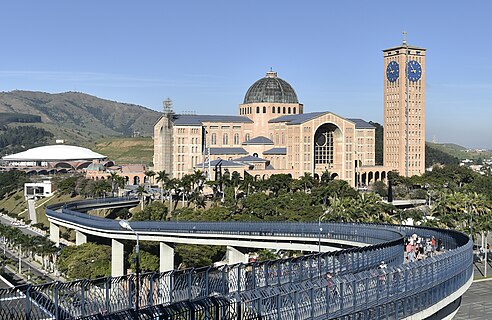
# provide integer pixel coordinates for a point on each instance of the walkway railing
(294, 288)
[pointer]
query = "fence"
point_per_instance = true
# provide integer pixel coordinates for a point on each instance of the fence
(282, 289)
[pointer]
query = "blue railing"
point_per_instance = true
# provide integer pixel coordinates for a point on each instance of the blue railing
(292, 288)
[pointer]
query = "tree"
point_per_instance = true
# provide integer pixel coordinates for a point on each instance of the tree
(149, 174)
(148, 261)
(140, 193)
(156, 211)
(163, 180)
(88, 260)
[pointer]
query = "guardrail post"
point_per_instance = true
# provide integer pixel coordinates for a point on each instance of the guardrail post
(57, 315)
(106, 302)
(296, 305)
(28, 303)
(150, 298)
(311, 297)
(82, 300)
(190, 284)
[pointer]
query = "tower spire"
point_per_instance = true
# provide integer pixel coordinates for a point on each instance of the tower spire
(404, 37)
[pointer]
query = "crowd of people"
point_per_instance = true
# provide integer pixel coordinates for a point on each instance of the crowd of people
(418, 248)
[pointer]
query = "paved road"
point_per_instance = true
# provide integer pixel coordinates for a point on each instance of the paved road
(477, 302)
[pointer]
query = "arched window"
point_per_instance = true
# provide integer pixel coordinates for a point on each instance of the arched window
(294, 110)
(289, 110)
(284, 110)
(283, 138)
(225, 138)
(324, 144)
(276, 138)
(273, 109)
(278, 109)
(214, 139)
(257, 109)
(246, 137)
(264, 109)
(236, 138)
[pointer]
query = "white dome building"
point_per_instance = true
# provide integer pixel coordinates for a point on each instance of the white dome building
(52, 159)
(57, 152)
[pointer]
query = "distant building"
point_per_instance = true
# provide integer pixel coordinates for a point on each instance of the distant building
(52, 159)
(38, 189)
(272, 134)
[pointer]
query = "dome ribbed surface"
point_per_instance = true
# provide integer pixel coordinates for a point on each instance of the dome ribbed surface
(271, 89)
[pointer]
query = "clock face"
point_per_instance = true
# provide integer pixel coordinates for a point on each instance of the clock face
(392, 71)
(414, 70)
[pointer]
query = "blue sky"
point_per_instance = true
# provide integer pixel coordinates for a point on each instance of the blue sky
(205, 54)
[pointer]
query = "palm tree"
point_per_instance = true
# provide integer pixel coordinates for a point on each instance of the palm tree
(149, 174)
(307, 181)
(140, 192)
(162, 179)
(113, 176)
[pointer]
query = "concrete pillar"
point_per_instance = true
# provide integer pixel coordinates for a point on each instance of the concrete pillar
(31, 207)
(117, 258)
(233, 256)
(55, 234)
(166, 254)
(80, 238)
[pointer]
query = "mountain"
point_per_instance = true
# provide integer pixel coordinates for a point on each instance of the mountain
(78, 117)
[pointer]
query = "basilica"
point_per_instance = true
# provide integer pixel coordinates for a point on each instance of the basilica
(272, 134)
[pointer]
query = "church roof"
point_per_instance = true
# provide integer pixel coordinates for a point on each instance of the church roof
(199, 119)
(362, 124)
(280, 151)
(259, 140)
(218, 151)
(223, 163)
(271, 89)
(249, 158)
(297, 118)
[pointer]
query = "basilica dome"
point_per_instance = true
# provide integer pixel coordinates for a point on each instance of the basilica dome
(271, 89)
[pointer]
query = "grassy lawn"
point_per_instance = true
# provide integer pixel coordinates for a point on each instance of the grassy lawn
(126, 150)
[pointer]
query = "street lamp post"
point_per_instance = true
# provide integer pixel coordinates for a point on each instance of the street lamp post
(126, 225)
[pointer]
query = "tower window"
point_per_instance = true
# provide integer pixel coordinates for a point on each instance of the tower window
(273, 109)
(278, 109)
(257, 109)
(294, 110)
(284, 110)
(225, 138)
(236, 138)
(289, 110)
(264, 109)
(214, 139)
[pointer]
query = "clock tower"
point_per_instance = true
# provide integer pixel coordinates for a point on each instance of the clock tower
(404, 109)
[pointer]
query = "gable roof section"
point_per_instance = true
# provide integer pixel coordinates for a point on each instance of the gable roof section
(199, 119)
(362, 124)
(280, 151)
(218, 151)
(249, 158)
(258, 140)
(223, 163)
(298, 118)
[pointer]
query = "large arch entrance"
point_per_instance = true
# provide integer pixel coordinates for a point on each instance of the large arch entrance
(327, 146)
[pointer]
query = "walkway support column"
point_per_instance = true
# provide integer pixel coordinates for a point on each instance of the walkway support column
(55, 234)
(80, 238)
(233, 256)
(117, 258)
(166, 254)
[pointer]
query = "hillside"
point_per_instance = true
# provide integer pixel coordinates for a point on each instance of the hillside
(126, 150)
(77, 117)
(459, 152)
